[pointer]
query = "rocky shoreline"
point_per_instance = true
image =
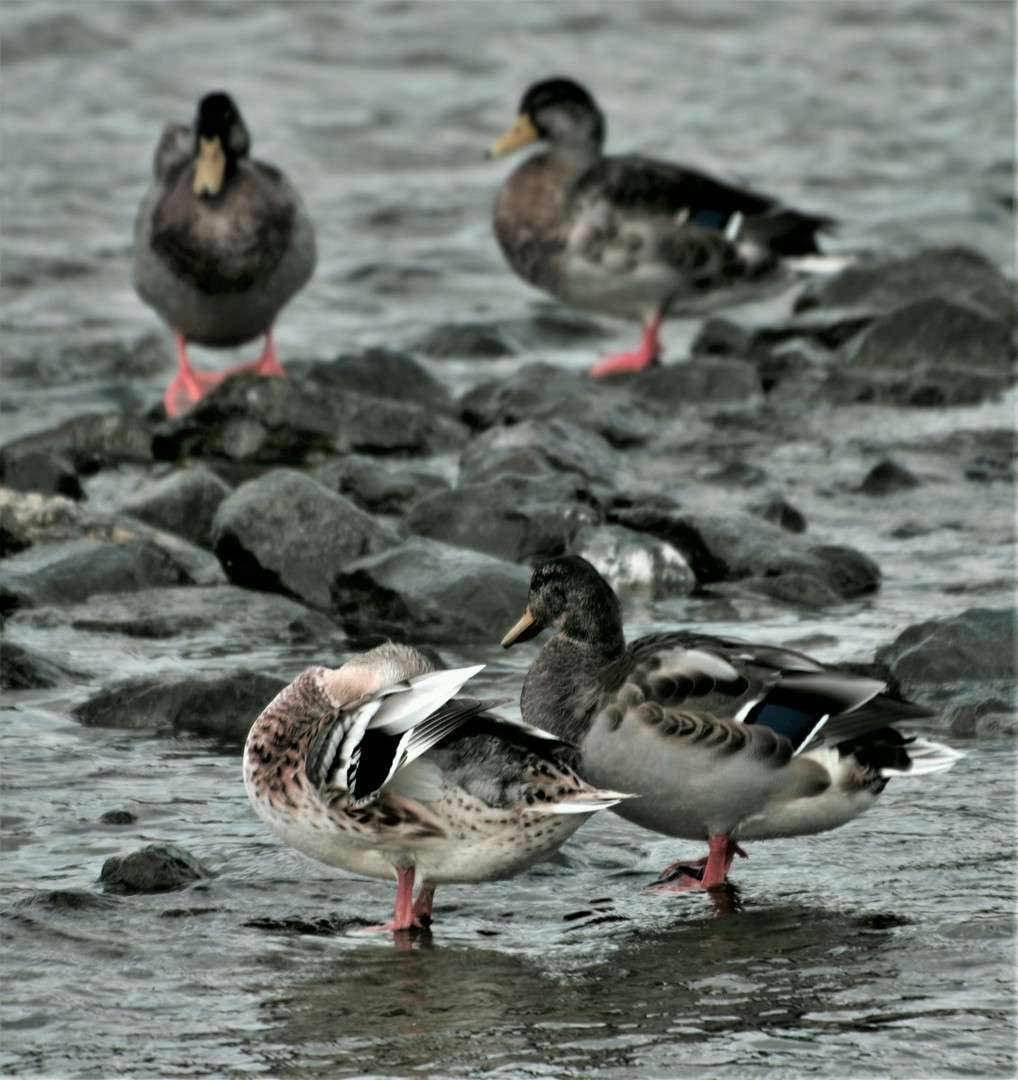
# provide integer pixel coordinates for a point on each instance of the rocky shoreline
(359, 499)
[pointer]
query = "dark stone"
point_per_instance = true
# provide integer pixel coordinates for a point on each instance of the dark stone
(285, 532)
(380, 487)
(736, 474)
(237, 620)
(976, 646)
(539, 449)
(886, 478)
(474, 341)
(958, 274)
(183, 503)
(829, 328)
(288, 421)
(737, 547)
(545, 392)
(23, 668)
(49, 472)
(70, 573)
(92, 442)
(383, 373)
(155, 868)
(518, 518)
(781, 513)
(118, 817)
(695, 382)
(223, 704)
(935, 332)
(426, 591)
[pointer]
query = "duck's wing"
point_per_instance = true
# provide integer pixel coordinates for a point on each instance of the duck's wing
(788, 692)
(639, 186)
(361, 745)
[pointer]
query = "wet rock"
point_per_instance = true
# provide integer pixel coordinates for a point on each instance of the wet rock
(380, 487)
(95, 441)
(155, 868)
(285, 532)
(183, 503)
(239, 621)
(539, 449)
(736, 474)
(49, 472)
(781, 513)
(827, 328)
(739, 547)
(545, 392)
(70, 573)
(475, 341)
(694, 382)
(223, 704)
(518, 518)
(383, 373)
(888, 477)
(426, 591)
(292, 420)
(958, 274)
(976, 646)
(929, 352)
(24, 668)
(30, 519)
(118, 817)
(65, 900)
(633, 562)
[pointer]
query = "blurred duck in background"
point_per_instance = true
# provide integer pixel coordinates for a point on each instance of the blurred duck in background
(631, 236)
(221, 244)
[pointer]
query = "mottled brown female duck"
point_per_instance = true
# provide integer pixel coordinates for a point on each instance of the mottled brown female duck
(378, 768)
(632, 236)
(221, 244)
(718, 739)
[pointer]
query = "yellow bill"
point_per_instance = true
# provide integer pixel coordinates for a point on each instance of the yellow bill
(519, 133)
(210, 168)
(526, 628)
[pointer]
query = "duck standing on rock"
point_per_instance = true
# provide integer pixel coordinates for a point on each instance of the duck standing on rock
(378, 768)
(718, 739)
(221, 244)
(632, 236)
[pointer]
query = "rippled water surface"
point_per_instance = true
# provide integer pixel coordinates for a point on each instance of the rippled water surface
(883, 949)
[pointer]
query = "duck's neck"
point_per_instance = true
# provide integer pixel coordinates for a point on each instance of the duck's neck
(566, 684)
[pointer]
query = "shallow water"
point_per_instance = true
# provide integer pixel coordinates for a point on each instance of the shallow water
(883, 949)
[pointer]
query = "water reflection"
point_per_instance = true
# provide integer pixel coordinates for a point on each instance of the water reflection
(736, 969)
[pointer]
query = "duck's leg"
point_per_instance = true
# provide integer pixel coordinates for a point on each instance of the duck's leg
(423, 904)
(403, 915)
(642, 357)
(266, 364)
(708, 872)
(187, 386)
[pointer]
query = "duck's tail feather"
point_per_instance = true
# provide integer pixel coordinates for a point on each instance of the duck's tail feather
(924, 757)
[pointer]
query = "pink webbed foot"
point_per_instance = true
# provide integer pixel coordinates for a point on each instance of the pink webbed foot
(266, 364)
(708, 872)
(645, 354)
(188, 386)
(408, 915)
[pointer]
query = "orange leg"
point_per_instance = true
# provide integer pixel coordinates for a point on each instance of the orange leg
(189, 386)
(406, 914)
(708, 872)
(644, 355)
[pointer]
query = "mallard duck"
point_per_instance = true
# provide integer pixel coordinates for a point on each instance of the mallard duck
(221, 243)
(631, 236)
(717, 738)
(377, 767)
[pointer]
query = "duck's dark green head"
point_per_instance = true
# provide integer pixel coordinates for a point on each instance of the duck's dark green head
(559, 111)
(567, 593)
(220, 140)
